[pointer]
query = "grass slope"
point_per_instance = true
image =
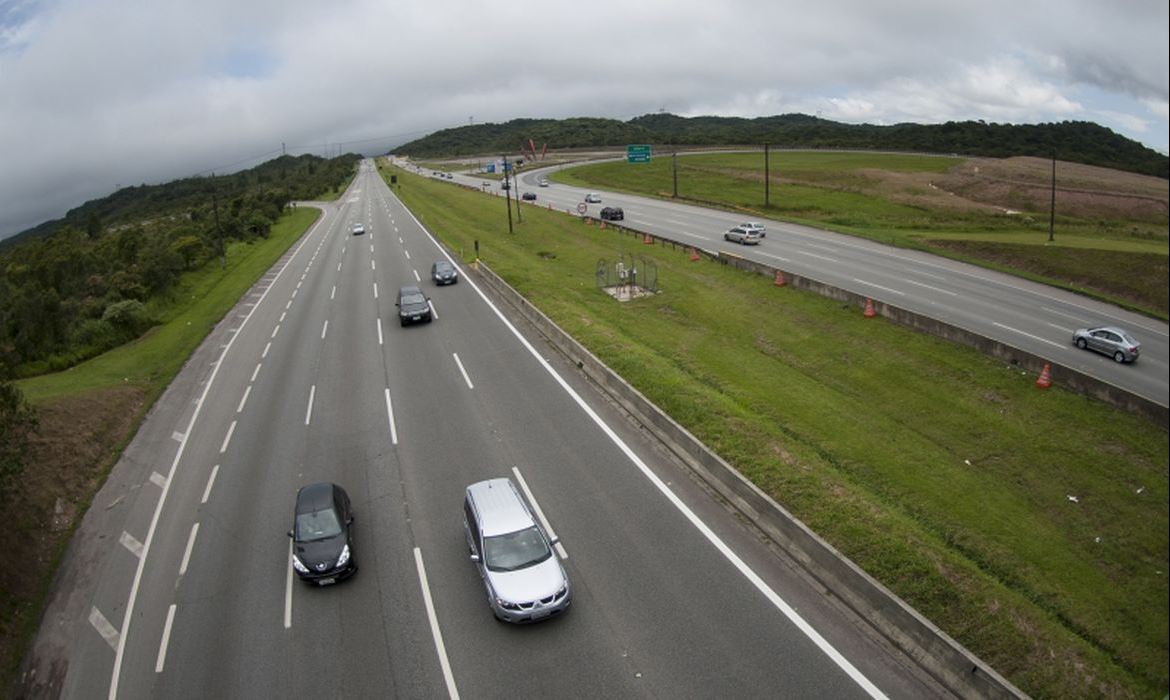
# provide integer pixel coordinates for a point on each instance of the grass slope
(943, 473)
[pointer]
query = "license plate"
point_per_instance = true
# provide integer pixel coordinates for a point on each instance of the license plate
(325, 581)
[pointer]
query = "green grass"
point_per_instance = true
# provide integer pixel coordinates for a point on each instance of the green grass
(187, 315)
(942, 472)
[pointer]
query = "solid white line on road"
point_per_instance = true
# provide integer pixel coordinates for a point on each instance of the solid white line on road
(158, 479)
(1033, 337)
(733, 558)
(934, 289)
(131, 543)
(436, 633)
(309, 410)
(379, 331)
(166, 638)
(390, 417)
(539, 513)
(878, 286)
(244, 399)
(324, 329)
(190, 546)
(258, 365)
(104, 628)
(227, 438)
(288, 588)
(462, 370)
(210, 481)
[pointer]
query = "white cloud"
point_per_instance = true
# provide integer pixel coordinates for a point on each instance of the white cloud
(102, 92)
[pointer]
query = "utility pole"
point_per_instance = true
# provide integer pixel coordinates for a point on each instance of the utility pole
(507, 189)
(766, 175)
(674, 170)
(1052, 209)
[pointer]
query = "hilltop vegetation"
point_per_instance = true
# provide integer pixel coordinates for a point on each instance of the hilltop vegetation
(1077, 142)
(76, 287)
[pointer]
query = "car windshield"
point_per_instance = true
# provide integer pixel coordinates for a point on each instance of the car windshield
(442, 267)
(318, 525)
(413, 299)
(515, 550)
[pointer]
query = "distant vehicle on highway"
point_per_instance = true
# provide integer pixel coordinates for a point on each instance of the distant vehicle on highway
(528, 196)
(1108, 340)
(413, 306)
(504, 185)
(322, 534)
(543, 182)
(443, 272)
(612, 214)
(593, 198)
(524, 579)
(754, 226)
(742, 236)
(359, 229)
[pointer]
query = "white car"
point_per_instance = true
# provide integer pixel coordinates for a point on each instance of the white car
(543, 182)
(742, 236)
(359, 229)
(593, 198)
(753, 226)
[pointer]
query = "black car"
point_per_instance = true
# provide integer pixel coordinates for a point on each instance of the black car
(413, 306)
(612, 213)
(528, 196)
(322, 534)
(443, 272)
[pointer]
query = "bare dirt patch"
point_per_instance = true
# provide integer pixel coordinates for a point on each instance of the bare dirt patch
(78, 440)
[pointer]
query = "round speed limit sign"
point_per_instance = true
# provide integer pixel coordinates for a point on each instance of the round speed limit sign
(582, 208)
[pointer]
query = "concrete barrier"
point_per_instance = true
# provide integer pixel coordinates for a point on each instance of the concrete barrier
(942, 657)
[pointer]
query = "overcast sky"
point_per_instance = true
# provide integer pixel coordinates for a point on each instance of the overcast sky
(100, 93)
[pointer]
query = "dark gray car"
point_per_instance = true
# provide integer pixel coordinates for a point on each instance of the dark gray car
(413, 306)
(443, 272)
(1108, 340)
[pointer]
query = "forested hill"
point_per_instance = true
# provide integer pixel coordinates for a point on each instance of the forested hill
(1079, 142)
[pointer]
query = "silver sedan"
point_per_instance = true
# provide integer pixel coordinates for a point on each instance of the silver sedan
(1108, 340)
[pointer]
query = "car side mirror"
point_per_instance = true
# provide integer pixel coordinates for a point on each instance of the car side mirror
(475, 558)
(553, 542)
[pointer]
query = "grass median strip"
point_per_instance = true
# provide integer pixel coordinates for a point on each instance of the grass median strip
(943, 473)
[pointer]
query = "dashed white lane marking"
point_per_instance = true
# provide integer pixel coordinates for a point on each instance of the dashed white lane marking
(166, 638)
(373, 265)
(933, 289)
(379, 331)
(227, 438)
(309, 410)
(814, 255)
(275, 331)
(434, 314)
(416, 277)
(390, 417)
(131, 543)
(177, 436)
(539, 513)
(190, 546)
(324, 329)
(407, 254)
(1033, 337)
(462, 370)
(158, 479)
(288, 589)
(210, 482)
(333, 292)
(104, 628)
(436, 633)
(878, 286)
(375, 290)
(257, 370)
(244, 399)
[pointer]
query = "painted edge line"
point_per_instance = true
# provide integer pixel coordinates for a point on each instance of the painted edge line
(436, 633)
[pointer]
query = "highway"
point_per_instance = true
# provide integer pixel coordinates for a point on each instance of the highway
(1031, 316)
(181, 584)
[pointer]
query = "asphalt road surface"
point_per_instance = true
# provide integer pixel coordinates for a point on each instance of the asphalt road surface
(179, 584)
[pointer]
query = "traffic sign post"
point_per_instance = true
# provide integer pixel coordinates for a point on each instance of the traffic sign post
(638, 154)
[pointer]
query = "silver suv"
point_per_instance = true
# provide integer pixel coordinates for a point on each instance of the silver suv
(742, 236)
(524, 579)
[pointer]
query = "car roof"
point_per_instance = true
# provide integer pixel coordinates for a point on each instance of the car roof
(315, 497)
(1119, 331)
(441, 263)
(403, 291)
(499, 507)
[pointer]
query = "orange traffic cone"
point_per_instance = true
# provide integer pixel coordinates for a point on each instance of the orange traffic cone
(780, 281)
(1045, 379)
(647, 239)
(869, 312)
(694, 254)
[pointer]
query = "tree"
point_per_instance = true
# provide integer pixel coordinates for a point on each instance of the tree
(17, 423)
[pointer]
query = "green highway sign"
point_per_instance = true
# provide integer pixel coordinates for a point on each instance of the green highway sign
(637, 154)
